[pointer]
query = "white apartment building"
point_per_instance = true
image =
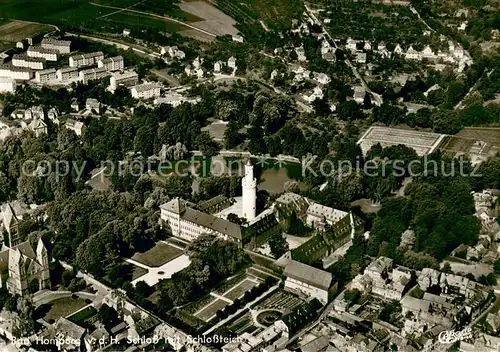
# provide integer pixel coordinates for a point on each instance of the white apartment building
(29, 62)
(39, 52)
(67, 74)
(7, 85)
(112, 63)
(92, 74)
(188, 223)
(45, 76)
(127, 79)
(86, 59)
(308, 280)
(61, 46)
(175, 99)
(17, 73)
(146, 90)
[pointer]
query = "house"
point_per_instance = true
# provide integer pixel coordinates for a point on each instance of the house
(351, 44)
(93, 104)
(325, 47)
(25, 266)
(237, 38)
(218, 66)
(53, 115)
(39, 127)
(412, 54)
(428, 53)
(301, 53)
(367, 46)
(7, 85)
(174, 52)
(322, 78)
(381, 46)
(316, 93)
(68, 335)
(462, 27)
(197, 62)
(75, 126)
(398, 50)
(231, 62)
(146, 90)
(361, 58)
(359, 94)
(126, 32)
(308, 280)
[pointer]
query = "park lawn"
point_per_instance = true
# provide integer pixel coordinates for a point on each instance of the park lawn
(160, 254)
(63, 307)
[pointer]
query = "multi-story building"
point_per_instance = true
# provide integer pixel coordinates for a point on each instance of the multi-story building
(40, 52)
(46, 75)
(183, 220)
(112, 63)
(67, 74)
(7, 85)
(30, 62)
(308, 280)
(319, 215)
(61, 46)
(127, 79)
(146, 90)
(17, 73)
(92, 74)
(86, 59)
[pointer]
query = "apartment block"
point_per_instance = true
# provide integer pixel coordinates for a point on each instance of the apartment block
(92, 74)
(29, 62)
(40, 52)
(112, 63)
(61, 46)
(67, 74)
(45, 76)
(86, 59)
(127, 79)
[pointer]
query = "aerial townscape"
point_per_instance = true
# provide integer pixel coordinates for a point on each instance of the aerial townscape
(249, 176)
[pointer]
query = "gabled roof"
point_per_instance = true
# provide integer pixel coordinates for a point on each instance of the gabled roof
(308, 274)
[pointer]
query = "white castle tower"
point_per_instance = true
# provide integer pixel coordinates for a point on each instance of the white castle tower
(249, 186)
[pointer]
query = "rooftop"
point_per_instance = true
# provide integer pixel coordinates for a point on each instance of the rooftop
(308, 274)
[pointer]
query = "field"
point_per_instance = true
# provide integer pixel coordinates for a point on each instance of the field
(276, 14)
(18, 30)
(61, 307)
(160, 254)
(422, 142)
(83, 14)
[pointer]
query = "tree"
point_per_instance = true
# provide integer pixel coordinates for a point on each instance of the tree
(278, 244)
(206, 145)
(107, 316)
(232, 136)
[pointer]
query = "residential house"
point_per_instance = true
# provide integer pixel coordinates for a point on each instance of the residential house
(75, 126)
(93, 104)
(398, 50)
(412, 54)
(92, 74)
(231, 62)
(359, 94)
(86, 59)
(351, 44)
(39, 52)
(301, 53)
(361, 58)
(367, 46)
(322, 78)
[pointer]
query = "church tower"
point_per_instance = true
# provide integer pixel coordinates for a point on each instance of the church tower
(249, 186)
